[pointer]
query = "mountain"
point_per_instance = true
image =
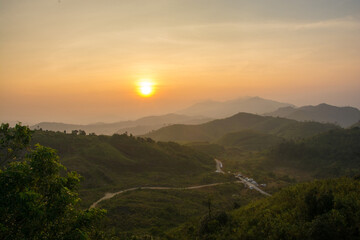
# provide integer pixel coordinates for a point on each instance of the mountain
(148, 124)
(137, 127)
(215, 109)
(216, 129)
(344, 116)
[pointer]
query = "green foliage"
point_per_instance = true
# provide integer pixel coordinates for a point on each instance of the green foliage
(39, 197)
(212, 131)
(155, 212)
(207, 148)
(249, 140)
(13, 142)
(112, 163)
(327, 209)
(329, 154)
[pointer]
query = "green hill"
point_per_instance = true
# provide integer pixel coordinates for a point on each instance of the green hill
(156, 212)
(249, 140)
(216, 129)
(110, 163)
(333, 153)
(327, 209)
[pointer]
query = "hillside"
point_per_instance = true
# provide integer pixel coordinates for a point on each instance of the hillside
(249, 140)
(327, 209)
(120, 161)
(213, 130)
(156, 212)
(215, 109)
(344, 116)
(136, 127)
(330, 154)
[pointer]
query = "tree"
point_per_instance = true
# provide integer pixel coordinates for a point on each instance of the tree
(82, 132)
(13, 142)
(39, 199)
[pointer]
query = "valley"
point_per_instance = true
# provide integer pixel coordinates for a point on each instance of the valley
(179, 120)
(182, 176)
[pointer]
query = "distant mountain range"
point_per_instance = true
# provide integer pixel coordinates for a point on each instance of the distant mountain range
(136, 127)
(216, 109)
(206, 111)
(214, 130)
(344, 116)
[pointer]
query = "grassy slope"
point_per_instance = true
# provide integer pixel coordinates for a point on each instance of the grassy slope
(120, 161)
(242, 121)
(330, 154)
(249, 140)
(327, 209)
(157, 211)
(168, 164)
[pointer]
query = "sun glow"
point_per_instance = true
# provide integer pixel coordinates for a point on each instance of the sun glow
(145, 88)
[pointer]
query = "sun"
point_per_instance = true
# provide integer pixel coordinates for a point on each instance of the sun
(145, 88)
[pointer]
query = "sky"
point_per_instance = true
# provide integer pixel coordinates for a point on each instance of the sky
(79, 61)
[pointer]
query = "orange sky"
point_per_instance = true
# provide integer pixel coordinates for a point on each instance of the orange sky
(78, 61)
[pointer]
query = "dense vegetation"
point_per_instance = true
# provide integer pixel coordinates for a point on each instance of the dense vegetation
(216, 129)
(330, 154)
(249, 140)
(39, 197)
(156, 212)
(111, 163)
(327, 209)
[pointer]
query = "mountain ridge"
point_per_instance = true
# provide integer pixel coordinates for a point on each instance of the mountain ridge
(344, 116)
(147, 123)
(217, 109)
(213, 130)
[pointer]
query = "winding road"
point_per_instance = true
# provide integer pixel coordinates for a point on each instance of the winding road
(110, 195)
(219, 165)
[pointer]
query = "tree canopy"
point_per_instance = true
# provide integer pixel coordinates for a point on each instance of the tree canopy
(39, 198)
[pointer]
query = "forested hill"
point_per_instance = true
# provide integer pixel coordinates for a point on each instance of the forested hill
(213, 130)
(249, 140)
(327, 209)
(334, 153)
(126, 161)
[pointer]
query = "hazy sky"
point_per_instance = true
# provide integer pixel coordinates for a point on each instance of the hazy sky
(79, 60)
